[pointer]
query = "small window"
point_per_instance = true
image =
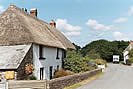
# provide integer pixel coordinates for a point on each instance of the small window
(63, 57)
(41, 52)
(58, 67)
(57, 55)
(63, 54)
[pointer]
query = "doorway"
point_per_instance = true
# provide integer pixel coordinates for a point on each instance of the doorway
(51, 72)
(41, 73)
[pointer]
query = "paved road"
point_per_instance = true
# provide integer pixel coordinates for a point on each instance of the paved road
(116, 77)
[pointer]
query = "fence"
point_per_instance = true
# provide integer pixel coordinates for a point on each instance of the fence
(3, 85)
(24, 84)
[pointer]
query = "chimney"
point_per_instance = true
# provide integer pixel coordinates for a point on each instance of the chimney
(52, 23)
(131, 41)
(22, 9)
(33, 12)
(25, 9)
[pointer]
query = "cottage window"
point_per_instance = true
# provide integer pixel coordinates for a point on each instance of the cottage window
(63, 57)
(58, 67)
(41, 52)
(57, 55)
(63, 54)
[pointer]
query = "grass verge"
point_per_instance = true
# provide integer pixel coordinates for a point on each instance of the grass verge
(85, 81)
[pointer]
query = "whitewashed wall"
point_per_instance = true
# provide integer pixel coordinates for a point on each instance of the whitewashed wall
(50, 55)
(125, 54)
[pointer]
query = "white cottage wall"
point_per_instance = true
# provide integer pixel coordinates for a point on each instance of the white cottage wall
(50, 60)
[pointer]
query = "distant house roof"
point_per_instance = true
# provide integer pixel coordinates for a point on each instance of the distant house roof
(129, 47)
(12, 56)
(18, 27)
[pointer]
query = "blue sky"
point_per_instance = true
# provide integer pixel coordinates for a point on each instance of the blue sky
(83, 21)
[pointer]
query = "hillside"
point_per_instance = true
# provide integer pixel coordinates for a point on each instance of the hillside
(103, 49)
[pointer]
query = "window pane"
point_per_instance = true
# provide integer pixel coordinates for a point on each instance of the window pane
(40, 51)
(57, 55)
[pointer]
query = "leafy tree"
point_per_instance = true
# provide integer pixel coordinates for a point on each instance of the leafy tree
(75, 62)
(78, 48)
(92, 54)
(130, 53)
(130, 60)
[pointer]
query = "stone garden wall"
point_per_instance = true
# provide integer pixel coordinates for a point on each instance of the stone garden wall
(60, 83)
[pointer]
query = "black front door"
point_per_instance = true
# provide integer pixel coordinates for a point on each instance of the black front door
(41, 73)
(50, 69)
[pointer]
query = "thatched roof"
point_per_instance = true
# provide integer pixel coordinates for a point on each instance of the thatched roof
(18, 27)
(12, 56)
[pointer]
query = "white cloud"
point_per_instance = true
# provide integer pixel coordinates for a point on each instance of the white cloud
(62, 24)
(131, 11)
(68, 29)
(120, 36)
(2, 8)
(121, 20)
(96, 26)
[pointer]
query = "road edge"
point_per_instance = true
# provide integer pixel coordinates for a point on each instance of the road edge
(98, 75)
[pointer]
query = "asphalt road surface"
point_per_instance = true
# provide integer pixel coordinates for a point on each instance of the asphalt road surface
(116, 77)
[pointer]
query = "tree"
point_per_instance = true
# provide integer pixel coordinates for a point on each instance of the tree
(75, 62)
(78, 48)
(130, 54)
(92, 54)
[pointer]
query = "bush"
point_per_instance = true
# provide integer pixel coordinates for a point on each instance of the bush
(130, 53)
(32, 77)
(91, 68)
(61, 73)
(75, 62)
(122, 62)
(70, 72)
(130, 60)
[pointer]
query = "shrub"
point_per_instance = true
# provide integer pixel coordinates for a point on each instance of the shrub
(122, 62)
(70, 72)
(91, 68)
(61, 73)
(130, 60)
(32, 77)
(130, 53)
(74, 62)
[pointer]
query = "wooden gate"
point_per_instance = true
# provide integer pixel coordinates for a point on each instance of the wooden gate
(27, 84)
(3, 85)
